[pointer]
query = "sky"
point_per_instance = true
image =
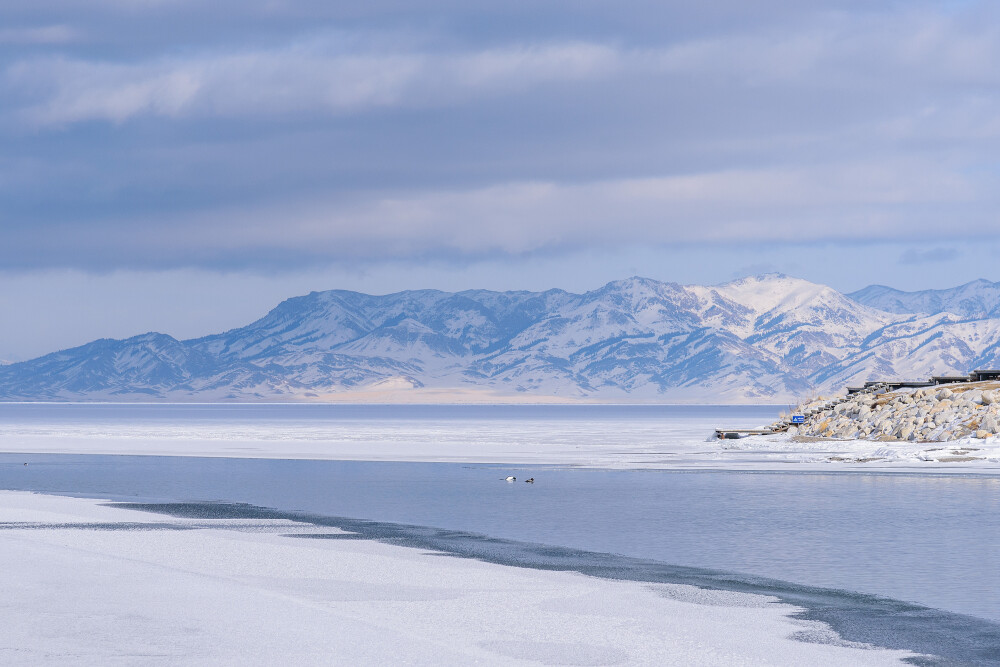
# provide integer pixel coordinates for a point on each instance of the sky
(183, 166)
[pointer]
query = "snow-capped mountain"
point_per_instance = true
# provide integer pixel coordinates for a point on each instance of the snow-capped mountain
(762, 339)
(977, 300)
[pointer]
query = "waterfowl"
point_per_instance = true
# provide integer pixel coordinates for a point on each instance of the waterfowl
(530, 480)
(510, 479)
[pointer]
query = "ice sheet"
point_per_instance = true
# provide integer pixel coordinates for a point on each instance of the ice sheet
(667, 444)
(80, 593)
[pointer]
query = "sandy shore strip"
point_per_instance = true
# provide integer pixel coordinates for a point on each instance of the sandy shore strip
(85, 583)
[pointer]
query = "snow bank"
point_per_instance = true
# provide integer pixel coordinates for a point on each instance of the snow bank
(966, 455)
(89, 584)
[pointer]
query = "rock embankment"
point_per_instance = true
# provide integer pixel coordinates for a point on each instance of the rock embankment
(931, 414)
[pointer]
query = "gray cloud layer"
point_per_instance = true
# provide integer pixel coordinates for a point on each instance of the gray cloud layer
(170, 133)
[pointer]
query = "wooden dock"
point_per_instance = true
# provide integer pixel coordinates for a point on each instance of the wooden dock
(734, 433)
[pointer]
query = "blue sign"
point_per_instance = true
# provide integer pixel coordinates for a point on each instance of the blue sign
(798, 419)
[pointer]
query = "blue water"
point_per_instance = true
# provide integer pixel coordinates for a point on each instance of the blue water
(928, 539)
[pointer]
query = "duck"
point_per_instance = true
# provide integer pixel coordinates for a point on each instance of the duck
(530, 480)
(510, 479)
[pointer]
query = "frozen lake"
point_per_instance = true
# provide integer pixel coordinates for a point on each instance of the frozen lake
(597, 435)
(924, 538)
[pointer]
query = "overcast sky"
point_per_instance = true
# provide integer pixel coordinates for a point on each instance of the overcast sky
(182, 166)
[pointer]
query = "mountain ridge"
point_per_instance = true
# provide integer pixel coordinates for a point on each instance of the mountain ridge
(767, 338)
(978, 299)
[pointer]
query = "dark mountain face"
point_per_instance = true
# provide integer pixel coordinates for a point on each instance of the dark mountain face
(769, 338)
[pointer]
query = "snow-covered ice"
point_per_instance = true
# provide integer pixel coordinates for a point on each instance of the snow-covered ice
(966, 454)
(78, 592)
(602, 442)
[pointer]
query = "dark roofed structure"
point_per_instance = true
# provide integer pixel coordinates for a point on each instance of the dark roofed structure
(948, 379)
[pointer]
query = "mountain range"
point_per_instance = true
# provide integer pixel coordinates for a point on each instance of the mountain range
(768, 339)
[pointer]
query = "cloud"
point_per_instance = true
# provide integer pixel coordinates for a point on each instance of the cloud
(48, 34)
(314, 76)
(859, 203)
(339, 72)
(938, 254)
(847, 204)
(850, 51)
(180, 134)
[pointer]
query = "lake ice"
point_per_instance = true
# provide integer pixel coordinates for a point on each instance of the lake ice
(924, 538)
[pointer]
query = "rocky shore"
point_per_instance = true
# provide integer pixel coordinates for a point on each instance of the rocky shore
(932, 414)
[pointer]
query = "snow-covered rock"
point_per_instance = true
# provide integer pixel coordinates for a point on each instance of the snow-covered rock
(905, 415)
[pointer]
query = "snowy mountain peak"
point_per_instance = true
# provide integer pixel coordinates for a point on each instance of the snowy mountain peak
(773, 291)
(978, 299)
(770, 277)
(639, 288)
(761, 338)
(637, 282)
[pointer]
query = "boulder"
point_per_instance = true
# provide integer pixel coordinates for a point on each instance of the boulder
(925, 414)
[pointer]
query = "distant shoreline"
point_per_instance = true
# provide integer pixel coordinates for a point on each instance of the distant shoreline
(526, 402)
(633, 437)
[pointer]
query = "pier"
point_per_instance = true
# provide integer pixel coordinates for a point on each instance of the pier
(734, 433)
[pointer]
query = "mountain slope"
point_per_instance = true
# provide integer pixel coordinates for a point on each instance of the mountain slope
(765, 338)
(977, 300)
